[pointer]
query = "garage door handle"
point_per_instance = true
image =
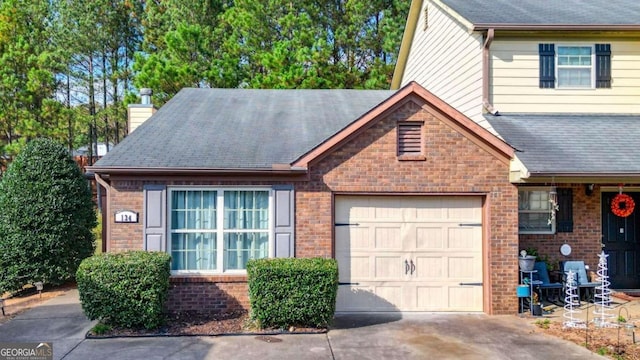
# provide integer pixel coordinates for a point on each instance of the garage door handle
(470, 224)
(348, 283)
(471, 284)
(346, 224)
(413, 267)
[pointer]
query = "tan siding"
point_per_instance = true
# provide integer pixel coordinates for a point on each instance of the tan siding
(447, 60)
(514, 81)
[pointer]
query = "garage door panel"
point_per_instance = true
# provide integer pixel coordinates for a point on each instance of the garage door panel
(370, 298)
(458, 297)
(430, 268)
(463, 268)
(429, 238)
(431, 298)
(463, 238)
(354, 268)
(388, 268)
(388, 238)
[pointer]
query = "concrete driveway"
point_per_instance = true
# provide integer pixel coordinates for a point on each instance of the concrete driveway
(426, 336)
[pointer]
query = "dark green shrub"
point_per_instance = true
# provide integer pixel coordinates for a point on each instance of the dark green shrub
(125, 289)
(300, 292)
(46, 217)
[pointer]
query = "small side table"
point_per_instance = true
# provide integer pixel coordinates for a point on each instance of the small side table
(528, 274)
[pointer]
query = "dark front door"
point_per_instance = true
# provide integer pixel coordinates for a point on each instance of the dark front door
(620, 237)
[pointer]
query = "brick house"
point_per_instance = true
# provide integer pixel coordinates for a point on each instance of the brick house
(558, 81)
(410, 196)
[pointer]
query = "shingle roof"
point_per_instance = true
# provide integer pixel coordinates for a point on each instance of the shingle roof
(239, 128)
(573, 143)
(548, 12)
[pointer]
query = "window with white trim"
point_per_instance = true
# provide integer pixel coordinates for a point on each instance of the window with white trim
(534, 211)
(218, 230)
(575, 66)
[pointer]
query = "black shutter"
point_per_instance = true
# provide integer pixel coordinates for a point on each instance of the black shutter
(547, 65)
(564, 215)
(603, 65)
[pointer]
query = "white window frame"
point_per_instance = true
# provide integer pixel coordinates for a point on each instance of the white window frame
(220, 231)
(592, 67)
(546, 212)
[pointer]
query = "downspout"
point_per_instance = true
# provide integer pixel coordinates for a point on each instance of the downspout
(486, 59)
(105, 210)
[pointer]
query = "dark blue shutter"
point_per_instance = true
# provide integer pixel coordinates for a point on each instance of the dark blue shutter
(564, 215)
(603, 65)
(547, 55)
(155, 215)
(284, 224)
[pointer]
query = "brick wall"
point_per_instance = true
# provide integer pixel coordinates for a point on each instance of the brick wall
(367, 164)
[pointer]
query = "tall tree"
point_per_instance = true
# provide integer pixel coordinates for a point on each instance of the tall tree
(28, 63)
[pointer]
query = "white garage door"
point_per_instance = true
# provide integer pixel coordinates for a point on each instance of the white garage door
(409, 253)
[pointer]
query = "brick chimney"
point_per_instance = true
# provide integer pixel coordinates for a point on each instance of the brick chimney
(139, 113)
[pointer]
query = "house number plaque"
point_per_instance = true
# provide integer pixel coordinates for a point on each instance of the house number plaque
(126, 216)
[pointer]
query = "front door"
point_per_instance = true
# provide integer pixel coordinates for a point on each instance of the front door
(620, 237)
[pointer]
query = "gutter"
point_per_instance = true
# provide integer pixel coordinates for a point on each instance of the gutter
(276, 170)
(555, 27)
(486, 59)
(106, 210)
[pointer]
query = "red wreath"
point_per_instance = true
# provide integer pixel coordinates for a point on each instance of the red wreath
(622, 205)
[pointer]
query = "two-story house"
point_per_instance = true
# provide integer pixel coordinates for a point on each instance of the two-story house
(560, 82)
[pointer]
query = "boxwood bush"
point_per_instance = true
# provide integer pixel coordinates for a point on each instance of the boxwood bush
(126, 289)
(46, 217)
(293, 292)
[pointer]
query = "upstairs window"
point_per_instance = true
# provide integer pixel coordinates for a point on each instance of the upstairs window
(575, 66)
(410, 142)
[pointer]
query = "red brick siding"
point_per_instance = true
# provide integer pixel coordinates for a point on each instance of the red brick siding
(367, 164)
(208, 294)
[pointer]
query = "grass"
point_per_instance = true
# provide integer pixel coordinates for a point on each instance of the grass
(544, 324)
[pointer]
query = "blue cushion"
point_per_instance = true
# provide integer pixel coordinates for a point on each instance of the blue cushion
(543, 275)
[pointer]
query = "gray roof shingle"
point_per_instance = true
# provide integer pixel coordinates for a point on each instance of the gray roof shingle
(548, 12)
(573, 143)
(240, 128)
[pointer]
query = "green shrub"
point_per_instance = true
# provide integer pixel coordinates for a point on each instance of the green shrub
(300, 292)
(125, 289)
(46, 217)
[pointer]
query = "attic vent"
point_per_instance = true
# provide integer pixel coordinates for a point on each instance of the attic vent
(410, 138)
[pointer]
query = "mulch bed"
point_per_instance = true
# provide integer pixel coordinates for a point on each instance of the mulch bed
(205, 324)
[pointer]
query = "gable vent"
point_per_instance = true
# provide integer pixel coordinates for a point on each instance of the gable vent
(410, 139)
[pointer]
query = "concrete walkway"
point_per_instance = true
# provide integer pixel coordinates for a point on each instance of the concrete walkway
(435, 336)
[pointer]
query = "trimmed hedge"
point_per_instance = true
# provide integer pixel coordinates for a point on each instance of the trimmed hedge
(125, 289)
(300, 292)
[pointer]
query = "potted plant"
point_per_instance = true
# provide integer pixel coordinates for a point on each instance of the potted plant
(526, 262)
(536, 306)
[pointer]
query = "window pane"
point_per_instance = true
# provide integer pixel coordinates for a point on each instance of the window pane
(534, 222)
(579, 77)
(246, 210)
(193, 210)
(240, 247)
(193, 251)
(534, 200)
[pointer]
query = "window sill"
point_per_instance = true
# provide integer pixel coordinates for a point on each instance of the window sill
(200, 278)
(412, 158)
